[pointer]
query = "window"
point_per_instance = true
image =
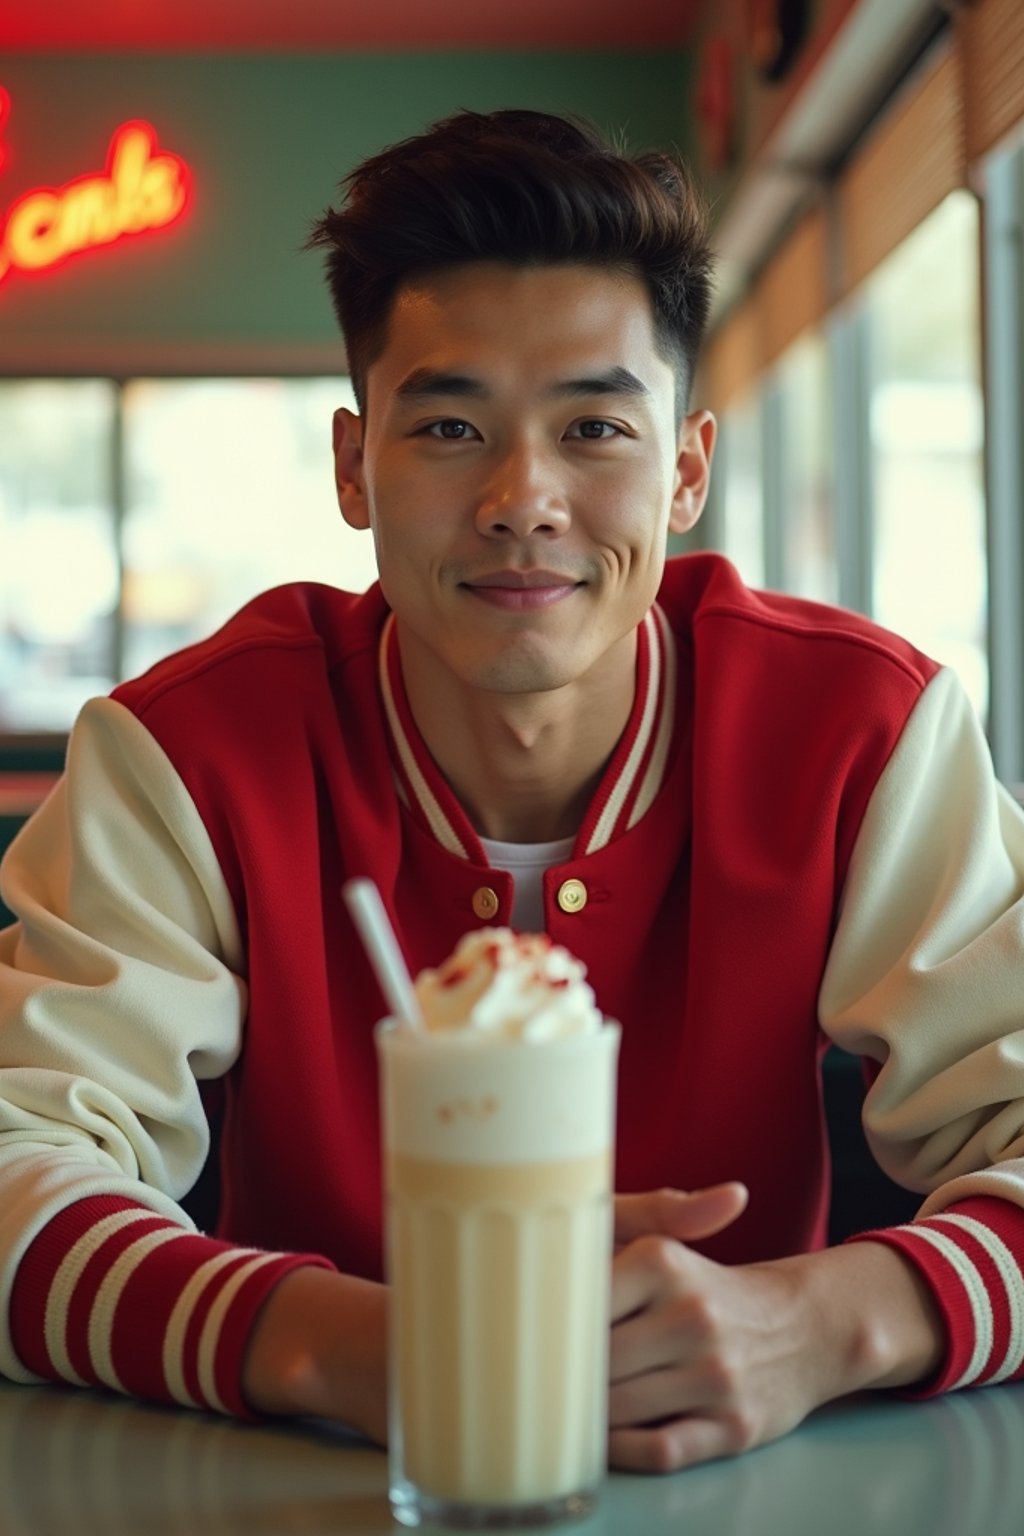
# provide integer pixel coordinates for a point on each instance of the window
(58, 557)
(1004, 400)
(229, 491)
(225, 488)
(740, 534)
(926, 429)
(809, 559)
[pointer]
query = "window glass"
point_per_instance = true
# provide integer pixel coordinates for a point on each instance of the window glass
(741, 498)
(929, 580)
(809, 558)
(58, 560)
(230, 491)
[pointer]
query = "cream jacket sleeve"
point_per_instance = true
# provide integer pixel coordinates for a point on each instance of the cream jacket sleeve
(926, 973)
(926, 978)
(120, 988)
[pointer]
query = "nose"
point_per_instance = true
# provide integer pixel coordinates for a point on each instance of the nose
(523, 496)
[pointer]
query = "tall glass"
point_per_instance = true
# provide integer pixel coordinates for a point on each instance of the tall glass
(498, 1175)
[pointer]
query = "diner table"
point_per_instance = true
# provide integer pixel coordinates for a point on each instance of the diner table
(81, 1463)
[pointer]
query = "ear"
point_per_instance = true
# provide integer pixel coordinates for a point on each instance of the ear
(347, 437)
(693, 470)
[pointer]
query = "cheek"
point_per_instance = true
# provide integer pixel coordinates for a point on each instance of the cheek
(640, 493)
(407, 546)
(638, 522)
(392, 528)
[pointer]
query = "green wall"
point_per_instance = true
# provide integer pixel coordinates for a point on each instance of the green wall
(268, 140)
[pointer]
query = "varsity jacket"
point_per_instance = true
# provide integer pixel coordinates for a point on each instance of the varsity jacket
(797, 840)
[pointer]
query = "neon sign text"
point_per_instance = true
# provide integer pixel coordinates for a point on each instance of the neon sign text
(5, 108)
(140, 189)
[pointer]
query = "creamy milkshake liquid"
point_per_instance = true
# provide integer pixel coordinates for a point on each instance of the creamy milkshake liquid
(501, 1326)
(498, 1168)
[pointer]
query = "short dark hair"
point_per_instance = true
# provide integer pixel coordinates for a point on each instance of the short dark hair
(526, 188)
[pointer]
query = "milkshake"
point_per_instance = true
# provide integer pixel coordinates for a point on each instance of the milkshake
(498, 1142)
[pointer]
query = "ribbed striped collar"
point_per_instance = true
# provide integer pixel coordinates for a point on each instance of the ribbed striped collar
(629, 784)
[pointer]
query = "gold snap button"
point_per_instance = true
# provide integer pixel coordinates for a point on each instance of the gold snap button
(572, 896)
(485, 902)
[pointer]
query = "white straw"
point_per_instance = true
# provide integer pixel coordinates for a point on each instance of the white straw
(363, 901)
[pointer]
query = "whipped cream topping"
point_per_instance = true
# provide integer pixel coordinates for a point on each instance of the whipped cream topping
(500, 985)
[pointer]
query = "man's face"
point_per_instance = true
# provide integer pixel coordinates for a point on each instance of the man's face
(520, 469)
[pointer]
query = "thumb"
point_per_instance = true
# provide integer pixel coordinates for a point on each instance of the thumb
(676, 1213)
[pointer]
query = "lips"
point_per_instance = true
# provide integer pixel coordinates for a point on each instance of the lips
(519, 590)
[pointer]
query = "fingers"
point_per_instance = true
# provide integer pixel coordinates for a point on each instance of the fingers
(658, 1396)
(682, 1443)
(676, 1213)
(647, 1270)
(683, 1325)
(705, 1360)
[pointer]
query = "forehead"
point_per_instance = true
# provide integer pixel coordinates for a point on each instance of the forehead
(538, 322)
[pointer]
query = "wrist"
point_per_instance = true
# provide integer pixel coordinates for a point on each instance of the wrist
(905, 1336)
(319, 1349)
(873, 1322)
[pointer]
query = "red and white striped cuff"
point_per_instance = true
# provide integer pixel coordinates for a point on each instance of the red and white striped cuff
(971, 1256)
(111, 1294)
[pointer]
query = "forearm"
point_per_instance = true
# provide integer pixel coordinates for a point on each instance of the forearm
(319, 1348)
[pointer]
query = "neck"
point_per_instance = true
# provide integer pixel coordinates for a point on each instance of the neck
(523, 766)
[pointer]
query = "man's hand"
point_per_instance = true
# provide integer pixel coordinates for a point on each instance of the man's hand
(709, 1360)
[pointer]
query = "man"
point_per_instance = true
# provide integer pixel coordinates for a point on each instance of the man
(760, 823)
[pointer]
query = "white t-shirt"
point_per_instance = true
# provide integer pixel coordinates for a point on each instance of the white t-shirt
(526, 863)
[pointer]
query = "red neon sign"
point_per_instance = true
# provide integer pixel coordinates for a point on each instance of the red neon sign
(5, 111)
(140, 189)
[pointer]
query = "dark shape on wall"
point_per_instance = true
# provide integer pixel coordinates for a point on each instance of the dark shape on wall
(776, 30)
(716, 103)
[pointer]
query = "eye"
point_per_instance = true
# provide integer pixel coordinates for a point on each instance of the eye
(595, 430)
(450, 430)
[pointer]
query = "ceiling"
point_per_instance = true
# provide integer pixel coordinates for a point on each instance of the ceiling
(242, 26)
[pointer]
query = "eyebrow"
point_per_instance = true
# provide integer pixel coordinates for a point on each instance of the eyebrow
(424, 383)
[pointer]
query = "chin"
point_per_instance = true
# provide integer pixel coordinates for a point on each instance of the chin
(512, 673)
